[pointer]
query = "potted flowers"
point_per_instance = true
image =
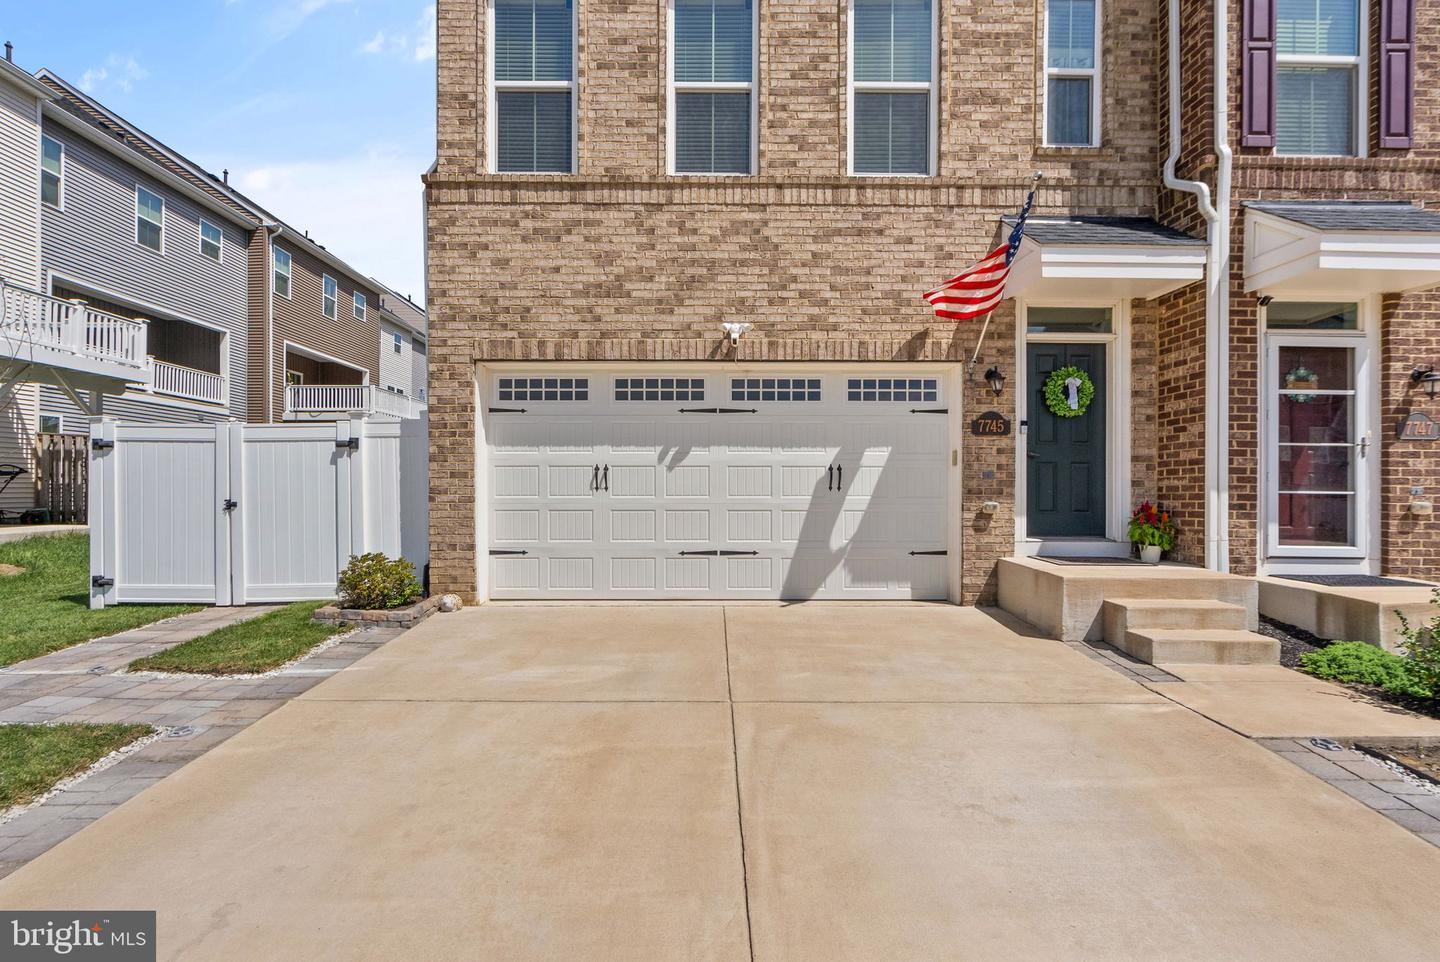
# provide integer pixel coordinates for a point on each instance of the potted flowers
(1152, 531)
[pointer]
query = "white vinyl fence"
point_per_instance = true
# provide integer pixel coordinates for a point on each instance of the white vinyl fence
(234, 514)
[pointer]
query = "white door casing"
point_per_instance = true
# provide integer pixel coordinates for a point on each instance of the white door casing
(789, 489)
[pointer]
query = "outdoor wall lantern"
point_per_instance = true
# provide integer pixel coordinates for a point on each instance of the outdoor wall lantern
(996, 380)
(1426, 377)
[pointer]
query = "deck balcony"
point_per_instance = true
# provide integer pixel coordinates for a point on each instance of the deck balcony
(323, 402)
(68, 343)
(188, 383)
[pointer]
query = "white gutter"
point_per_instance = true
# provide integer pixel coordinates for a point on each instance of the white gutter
(1217, 283)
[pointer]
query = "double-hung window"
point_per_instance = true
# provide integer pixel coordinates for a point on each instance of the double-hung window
(534, 86)
(892, 86)
(212, 241)
(52, 172)
(1317, 77)
(149, 219)
(280, 282)
(1072, 73)
(712, 86)
(328, 296)
(359, 306)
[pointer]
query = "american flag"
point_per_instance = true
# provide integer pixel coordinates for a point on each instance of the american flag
(980, 289)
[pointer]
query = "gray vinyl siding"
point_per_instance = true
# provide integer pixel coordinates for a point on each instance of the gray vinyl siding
(396, 370)
(419, 370)
(91, 244)
(19, 264)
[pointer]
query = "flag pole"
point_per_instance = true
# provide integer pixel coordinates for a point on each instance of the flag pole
(984, 328)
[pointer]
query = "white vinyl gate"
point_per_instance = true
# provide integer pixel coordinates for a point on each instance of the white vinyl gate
(233, 514)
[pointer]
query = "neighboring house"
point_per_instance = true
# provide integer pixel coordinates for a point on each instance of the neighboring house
(402, 346)
(114, 244)
(622, 181)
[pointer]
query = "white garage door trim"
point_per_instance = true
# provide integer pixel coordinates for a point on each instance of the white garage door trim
(601, 493)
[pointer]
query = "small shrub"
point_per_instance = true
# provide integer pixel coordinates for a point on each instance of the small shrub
(1422, 643)
(374, 581)
(1365, 664)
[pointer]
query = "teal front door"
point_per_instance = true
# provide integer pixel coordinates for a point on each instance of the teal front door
(1065, 470)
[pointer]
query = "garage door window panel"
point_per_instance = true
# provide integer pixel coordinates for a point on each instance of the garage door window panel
(629, 389)
(881, 389)
(543, 389)
(805, 389)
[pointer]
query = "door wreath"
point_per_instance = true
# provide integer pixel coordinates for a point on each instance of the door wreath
(1068, 392)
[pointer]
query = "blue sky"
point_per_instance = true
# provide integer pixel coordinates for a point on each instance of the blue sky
(323, 110)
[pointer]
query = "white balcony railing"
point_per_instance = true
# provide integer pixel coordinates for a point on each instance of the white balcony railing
(43, 329)
(316, 400)
(176, 380)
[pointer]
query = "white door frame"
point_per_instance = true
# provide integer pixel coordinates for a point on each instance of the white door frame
(953, 374)
(1363, 557)
(1117, 427)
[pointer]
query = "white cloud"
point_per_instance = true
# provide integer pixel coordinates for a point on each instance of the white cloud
(364, 208)
(417, 44)
(289, 15)
(116, 73)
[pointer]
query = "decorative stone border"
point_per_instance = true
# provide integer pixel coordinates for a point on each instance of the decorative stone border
(406, 617)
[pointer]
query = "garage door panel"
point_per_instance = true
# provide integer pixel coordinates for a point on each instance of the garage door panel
(750, 574)
(632, 480)
(688, 481)
(569, 480)
(749, 524)
(571, 524)
(517, 526)
(572, 574)
(803, 480)
(687, 574)
(632, 525)
(748, 481)
(517, 481)
(687, 524)
(633, 574)
(516, 574)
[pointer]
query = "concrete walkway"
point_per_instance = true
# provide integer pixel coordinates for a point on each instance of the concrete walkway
(88, 683)
(20, 532)
(802, 783)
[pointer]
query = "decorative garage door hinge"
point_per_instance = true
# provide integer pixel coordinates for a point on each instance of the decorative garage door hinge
(503, 551)
(504, 410)
(941, 552)
(719, 411)
(713, 553)
(929, 410)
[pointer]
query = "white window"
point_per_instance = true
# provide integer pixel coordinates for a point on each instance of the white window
(149, 219)
(52, 424)
(892, 87)
(532, 110)
(294, 377)
(359, 306)
(1072, 73)
(282, 272)
(330, 297)
(712, 86)
(398, 340)
(210, 241)
(1318, 77)
(52, 172)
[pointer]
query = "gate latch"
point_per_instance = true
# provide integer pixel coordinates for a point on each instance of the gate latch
(101, 444)
(100, 581)
(231, 505)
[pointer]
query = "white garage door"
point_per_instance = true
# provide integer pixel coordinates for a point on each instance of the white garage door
(689, 486)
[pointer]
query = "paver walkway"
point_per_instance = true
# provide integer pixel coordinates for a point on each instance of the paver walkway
(87, 683)
(813, 783)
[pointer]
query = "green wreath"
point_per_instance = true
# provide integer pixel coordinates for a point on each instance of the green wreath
(1057, 398)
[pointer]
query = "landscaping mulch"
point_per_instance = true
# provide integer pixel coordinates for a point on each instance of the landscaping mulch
(1294, 642)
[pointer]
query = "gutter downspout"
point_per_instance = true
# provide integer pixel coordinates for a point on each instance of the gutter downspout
(272, 230)
(1217, 281)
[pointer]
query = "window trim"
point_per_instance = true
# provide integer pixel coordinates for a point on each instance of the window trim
(398, 341)
(673, 86)
(60, 182)
(1360, 90)
(1094, 74)
(358, 304)
(219, 257)
(870, 86)
(139, 217)
(329, 303)
(276, 249)
(494, 88)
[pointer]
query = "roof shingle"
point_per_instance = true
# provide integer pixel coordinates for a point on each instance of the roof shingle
(1116, 231)
(1352, 215)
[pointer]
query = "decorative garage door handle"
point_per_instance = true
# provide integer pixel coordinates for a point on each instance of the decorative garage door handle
(595, 479)
(605, 478)
(839, 476)
(830, 486)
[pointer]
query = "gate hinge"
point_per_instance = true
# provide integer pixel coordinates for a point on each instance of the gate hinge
(100, 581)
(101, 444)
(942, 552)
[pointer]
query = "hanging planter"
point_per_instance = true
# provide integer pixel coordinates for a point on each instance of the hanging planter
(1068, 392)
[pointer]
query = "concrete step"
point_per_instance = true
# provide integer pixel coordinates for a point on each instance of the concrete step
(1200, 646)
(1119, 615)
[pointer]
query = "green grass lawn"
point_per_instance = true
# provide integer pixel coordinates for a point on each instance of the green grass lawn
(48, 606)
(246, 647)
(34, 757)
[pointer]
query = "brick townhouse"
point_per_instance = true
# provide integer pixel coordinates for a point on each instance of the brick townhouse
(677, 252)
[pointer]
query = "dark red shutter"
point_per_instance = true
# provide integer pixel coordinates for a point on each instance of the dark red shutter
(1397, 72)
(1257, 74)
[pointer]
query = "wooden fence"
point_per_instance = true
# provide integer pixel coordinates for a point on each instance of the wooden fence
(61, 476)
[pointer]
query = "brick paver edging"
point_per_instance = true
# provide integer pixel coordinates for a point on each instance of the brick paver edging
(407, 617)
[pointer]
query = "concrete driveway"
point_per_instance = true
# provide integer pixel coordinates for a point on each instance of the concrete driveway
(815, 782)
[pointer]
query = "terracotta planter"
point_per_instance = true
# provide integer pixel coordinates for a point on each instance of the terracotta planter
(1150, 553)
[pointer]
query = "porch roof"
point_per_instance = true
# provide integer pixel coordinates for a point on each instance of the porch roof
(1342, 249)
(1114, 258)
